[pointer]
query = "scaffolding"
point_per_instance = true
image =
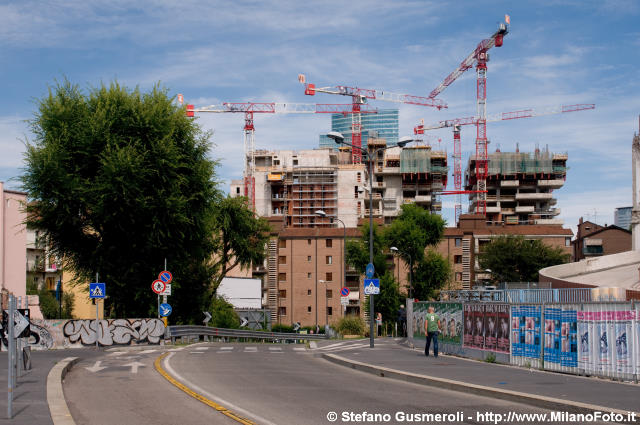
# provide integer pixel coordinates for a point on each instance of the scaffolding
(540, 162)
(422, 159)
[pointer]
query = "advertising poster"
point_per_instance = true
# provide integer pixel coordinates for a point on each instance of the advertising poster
(419, 313)
(516, 346)
(585, 336)
(636, 338)
(450, 315)
(531, 315)
(468, 326)
(623, 349)
(478, 325)
(491, 327)
(569, 339)
(552, 330)
(502, 311)
(605, 335)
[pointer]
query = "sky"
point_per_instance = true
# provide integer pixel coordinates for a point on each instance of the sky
(557, 52)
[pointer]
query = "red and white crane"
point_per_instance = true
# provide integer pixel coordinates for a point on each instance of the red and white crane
(479, 57)
(359, 98)
(503, 116)
(250, 108)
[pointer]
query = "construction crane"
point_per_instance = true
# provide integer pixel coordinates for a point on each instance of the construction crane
(359, 98)
(250, 108)
(479, 57)
(456, 123)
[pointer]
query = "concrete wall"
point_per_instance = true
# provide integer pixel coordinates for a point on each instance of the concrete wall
(13, 242)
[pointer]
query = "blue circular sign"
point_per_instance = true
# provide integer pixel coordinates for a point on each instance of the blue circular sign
(370, 270)
(165, 309)
(344, 292)
(165, 276)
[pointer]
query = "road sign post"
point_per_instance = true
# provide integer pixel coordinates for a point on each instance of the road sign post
(165, 310)
(371, 286)
(97, 291)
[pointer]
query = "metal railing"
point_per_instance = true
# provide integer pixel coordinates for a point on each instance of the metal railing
(174, 332)
(515, 296)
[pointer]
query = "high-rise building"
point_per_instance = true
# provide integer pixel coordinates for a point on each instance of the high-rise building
(381, 125)
(622, 217)
(520, 186)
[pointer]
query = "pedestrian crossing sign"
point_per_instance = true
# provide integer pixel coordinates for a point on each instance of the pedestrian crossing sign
(97, 290)
(371, 286)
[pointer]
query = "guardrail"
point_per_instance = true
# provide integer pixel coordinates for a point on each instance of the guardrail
(174, 332)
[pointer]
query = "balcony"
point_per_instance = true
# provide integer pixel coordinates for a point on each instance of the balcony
(379, 185)
(553, 184)
(533, 196)
(423, 199)
(509, 183)
(525, 209)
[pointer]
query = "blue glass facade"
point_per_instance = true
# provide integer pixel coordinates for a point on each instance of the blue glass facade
(385, 123)
(622, 217)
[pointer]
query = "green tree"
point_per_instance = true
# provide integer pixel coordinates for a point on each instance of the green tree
(240, 237)
(357, 251)
(516, 259)
(118, 181)
(388, 301)
(431, 274)
(223, 315)
(413, 232)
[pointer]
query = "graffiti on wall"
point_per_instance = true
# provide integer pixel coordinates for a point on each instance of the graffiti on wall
(54, 334)
(118, 331)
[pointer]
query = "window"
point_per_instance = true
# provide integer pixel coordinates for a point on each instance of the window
(308, 241)
(308, 291)
(308, 258)
(282, 259)
(567, 241)
(282, 243)
(282, 293)
(295, 162)
(329, 293)
(308, 275)
(359, 177)
(282, 277)
(237, 191)
(308, 309)
(282, 311)
(329, 259)
(458, 241)
(457, 259)
(458, 276)
(329, 277)
(329, 243)
(330, 311)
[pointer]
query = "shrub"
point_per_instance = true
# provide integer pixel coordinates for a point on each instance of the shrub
(351, 325)
(223, 315)
(490, 358)
(279, 327)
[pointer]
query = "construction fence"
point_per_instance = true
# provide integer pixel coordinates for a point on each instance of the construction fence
(588, 338)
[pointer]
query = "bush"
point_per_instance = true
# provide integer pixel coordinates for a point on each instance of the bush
(490, 358)
(279, 327)
(351, 325)
(223, 315)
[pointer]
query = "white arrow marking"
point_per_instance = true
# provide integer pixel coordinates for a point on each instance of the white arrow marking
(96, 367)
(147, 351)
(134, 366)
(244, 322)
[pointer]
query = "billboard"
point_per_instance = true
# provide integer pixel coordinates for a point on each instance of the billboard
(486, 327)
(525, 331)
(450, 315)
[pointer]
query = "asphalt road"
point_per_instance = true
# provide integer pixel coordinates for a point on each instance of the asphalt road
(273, 384)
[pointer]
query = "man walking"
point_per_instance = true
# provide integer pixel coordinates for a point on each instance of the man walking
(431, 326)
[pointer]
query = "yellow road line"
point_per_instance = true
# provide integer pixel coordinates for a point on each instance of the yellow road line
(199, 397)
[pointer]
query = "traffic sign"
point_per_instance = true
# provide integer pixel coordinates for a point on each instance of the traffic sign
(21, 323)
(344, 291)
(165, 276)
(158, 286)
(370, 270)
(97, 290)
(344, 300)
(165, 309)
(371, 286)
(167, 289)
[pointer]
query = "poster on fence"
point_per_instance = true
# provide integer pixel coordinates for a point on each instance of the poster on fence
(516, 335)
(450, 319)
(502, 311)
(605, 339)
(552, 328)
(467, 340)
(530, 326)
(569, 339)
(490, 327)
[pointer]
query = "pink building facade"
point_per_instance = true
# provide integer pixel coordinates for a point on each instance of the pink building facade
(13, 242)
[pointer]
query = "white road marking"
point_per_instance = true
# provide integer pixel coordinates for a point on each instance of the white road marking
(299, 349)
(147, 351)
(250, 349)
(227, 348)
(116, 353)
(96, 367)
(176, 349)
(197, 352)
(225, 403)
(134, 366)
(202, 348)
(275, 348)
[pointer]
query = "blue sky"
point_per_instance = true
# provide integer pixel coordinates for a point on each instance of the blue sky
(557, 52)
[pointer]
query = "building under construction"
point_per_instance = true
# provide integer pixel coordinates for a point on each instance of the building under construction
(520, 186)
(295, 184)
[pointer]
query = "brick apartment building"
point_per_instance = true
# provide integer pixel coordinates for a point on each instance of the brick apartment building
(462, 244)
(594, 240)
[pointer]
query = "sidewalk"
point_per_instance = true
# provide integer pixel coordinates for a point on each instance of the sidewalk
(593, 391)
(30, 405)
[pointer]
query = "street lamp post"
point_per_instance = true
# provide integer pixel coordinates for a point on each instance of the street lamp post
(321, 213)
(339, 139)
(394, 249)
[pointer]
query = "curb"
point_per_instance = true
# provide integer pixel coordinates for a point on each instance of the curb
(58, 408)
(449, 384)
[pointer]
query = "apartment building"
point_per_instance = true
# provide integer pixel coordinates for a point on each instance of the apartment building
(462, 244)
(13, 241)
(42, 268)
(593, 240)
(520, 186)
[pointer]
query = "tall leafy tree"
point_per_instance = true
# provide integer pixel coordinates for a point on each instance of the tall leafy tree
(430, 275)
(516, 259)
(357, 251)
(119, 180)
(240, 237)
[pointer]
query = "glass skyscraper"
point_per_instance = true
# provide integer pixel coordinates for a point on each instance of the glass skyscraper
(384, 124)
